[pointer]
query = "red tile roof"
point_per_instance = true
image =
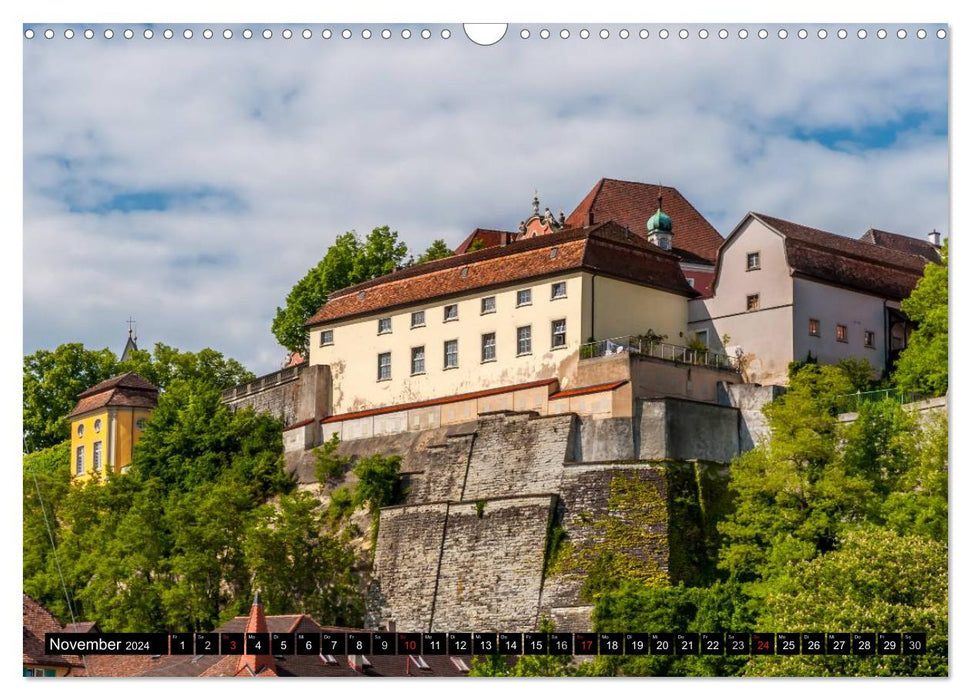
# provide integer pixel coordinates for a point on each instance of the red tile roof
(907, 244)
(39, 621)
(847, 262)
(584, 390)
(438, 402)
(489, 237)
(127, 390)
(256, 664)
(606, 249)
(631, 204)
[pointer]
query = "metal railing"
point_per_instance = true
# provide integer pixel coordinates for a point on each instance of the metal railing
(642, 345)
(850, 403)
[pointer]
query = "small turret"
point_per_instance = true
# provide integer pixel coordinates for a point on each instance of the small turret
(659, 227)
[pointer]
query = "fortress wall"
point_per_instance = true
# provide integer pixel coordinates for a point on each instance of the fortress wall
(518, 454)
(406, 565)
(292, 395)
(491, 573)
(594, 511)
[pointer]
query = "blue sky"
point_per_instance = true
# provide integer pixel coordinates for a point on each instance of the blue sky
(191, 183)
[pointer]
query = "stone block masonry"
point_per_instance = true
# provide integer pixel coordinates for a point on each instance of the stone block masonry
(292, 395)
(491, 574)
(406, 565)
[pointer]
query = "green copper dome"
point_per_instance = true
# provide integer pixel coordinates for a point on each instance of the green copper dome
(660, 221)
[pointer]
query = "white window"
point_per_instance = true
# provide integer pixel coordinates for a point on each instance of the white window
(524, 297)
(384, 325)
(417, 319)
(558, 290)
(384, 366)
(80, 429)
(869, 338)
(451, 354)
(841, 334)
(524, 340)
(97, 425)
(752, 261)
(488, 305)
(96, 456)
(559, 333)
(488, 347)
(752, 302)
(452, 312)
(327, 338)
(418, 360)
(79, 460)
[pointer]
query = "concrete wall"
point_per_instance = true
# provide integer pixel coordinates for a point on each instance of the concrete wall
(749, 400)
(687, 430)
(831, 306)
(651, 377)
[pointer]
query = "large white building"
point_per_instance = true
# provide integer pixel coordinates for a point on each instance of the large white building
(499, 317)
(784, 292)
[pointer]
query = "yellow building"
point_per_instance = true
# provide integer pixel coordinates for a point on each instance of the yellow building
(107, 422)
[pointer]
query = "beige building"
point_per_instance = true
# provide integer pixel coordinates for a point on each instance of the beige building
(783, 292)
(500, 317)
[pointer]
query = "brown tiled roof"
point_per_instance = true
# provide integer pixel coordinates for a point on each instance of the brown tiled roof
(81, 627)
(584, 390)
(606, 249)
(907, 244)
(489, 237)
(127, 390)
(39, 621)
(438, 402)
(631, 204)
(129, 380)
(847, 262)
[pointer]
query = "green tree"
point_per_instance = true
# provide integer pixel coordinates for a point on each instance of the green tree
(721, 607)
(347, 262)
(436, 251)
(192, 438)
(52, 381)
(379, 481)
(328, 466)
(166, 364)
(298, 567)
(876, 581)
(922, 366)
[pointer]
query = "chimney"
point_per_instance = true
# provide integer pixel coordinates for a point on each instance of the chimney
(934, 238)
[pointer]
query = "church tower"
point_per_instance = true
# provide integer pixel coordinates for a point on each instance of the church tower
(659, 228)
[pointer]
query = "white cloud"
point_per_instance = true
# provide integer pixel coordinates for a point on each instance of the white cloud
(433, 138)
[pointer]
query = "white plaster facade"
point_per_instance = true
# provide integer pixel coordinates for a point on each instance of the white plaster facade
(592, 306)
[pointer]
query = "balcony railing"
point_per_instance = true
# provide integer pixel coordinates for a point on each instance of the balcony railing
(850, 403)
(641, 345)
